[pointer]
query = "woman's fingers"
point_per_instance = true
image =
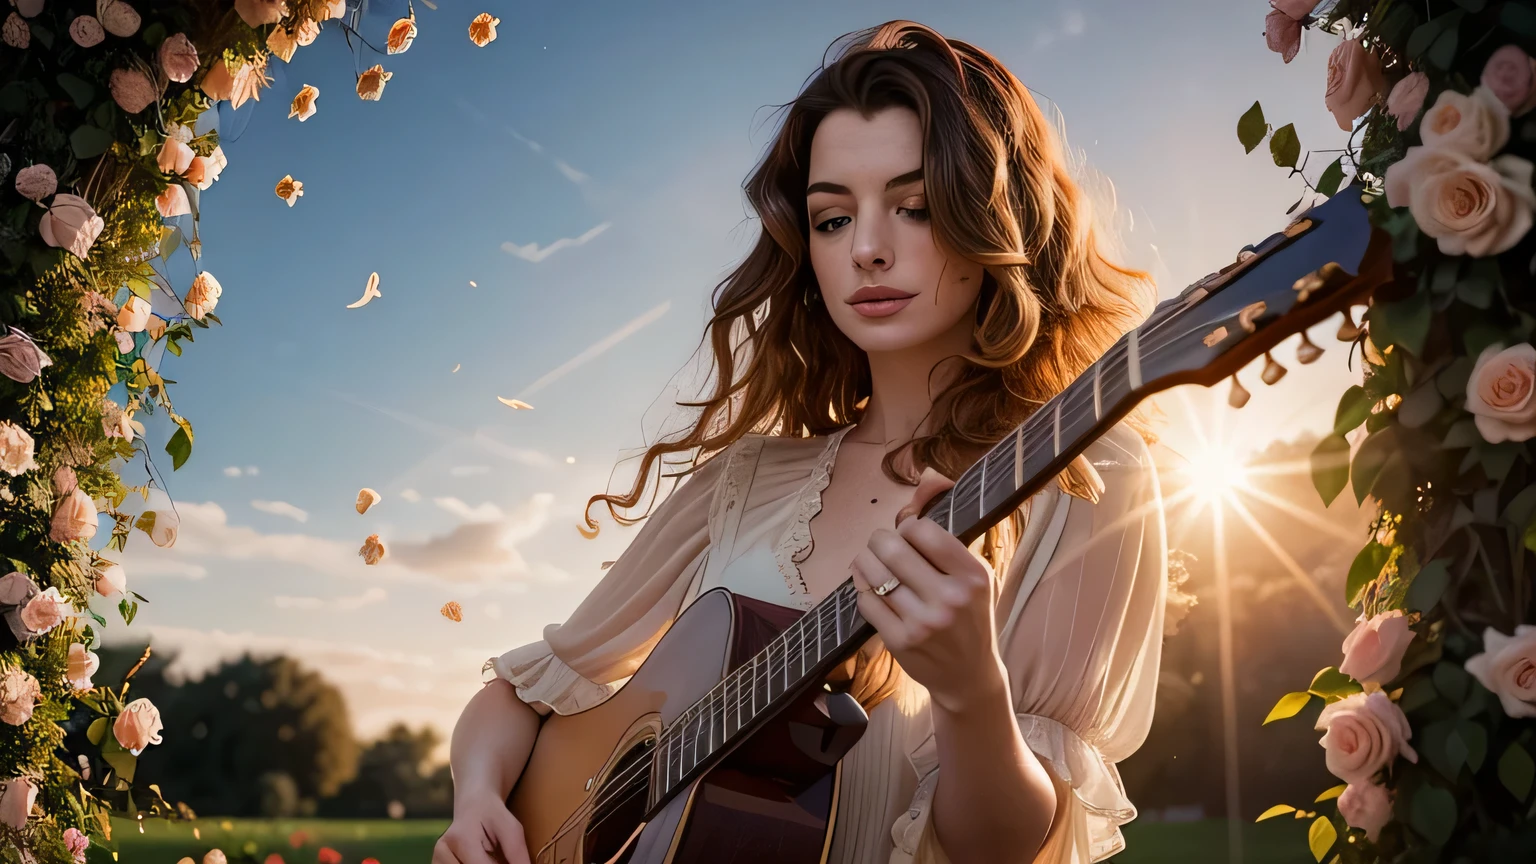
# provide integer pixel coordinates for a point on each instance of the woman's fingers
(867, 569)
(508, 834)
(905, 562)
(929, 484)
(941, 549)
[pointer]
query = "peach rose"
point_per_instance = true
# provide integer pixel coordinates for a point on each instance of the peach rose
(83, 663)
(173, 201)
(16, 449)
(134, 315)
(174, 156)
(178, 58)
(19, 693)
(118, 17)
(258, 12)
(401, 35)
(1407, 99)
(1363, 734)
(45, 611)
(16, 798)
(138, 726)
(74, 519)
(1508, 669)
(36, 182)
(303, 106)
(280, 43)
(1294, 9)
(1470, 208)
(197, 171)
(86, 31)
(203, 295)
(1499, 393)
(71, 224)
(1282, 34)
(1366, 806)
(370, 84)
(155, 328)
(219, 81)
(1477, 125)
(111, 579)
(1354, 82)
(1373, 651)
(131, 90)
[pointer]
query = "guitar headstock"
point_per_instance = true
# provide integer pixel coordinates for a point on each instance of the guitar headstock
(1328, 258)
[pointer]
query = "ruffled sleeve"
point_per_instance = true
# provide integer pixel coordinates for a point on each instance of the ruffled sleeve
(1082, 653)
(583, 661)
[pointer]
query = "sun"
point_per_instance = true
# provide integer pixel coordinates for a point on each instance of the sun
(1214, 473)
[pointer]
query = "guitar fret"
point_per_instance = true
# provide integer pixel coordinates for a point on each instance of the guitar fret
(1133, 357)
(1056, 437)
(1098, 405)
(1018, 457)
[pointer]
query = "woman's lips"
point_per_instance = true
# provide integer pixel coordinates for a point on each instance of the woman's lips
(882, 308)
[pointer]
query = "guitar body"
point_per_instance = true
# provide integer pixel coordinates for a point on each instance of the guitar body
(583, 796)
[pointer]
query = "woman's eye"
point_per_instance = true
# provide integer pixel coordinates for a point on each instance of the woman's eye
(829, 225)
(919, 214)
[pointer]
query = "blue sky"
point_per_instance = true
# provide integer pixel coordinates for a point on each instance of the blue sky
(632, 126)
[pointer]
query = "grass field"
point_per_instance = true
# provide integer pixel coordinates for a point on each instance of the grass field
(410, 841)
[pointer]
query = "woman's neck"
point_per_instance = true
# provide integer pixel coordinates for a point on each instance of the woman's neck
(900, 397)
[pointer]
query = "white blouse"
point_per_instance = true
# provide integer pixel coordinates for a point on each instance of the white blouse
(1081, 638)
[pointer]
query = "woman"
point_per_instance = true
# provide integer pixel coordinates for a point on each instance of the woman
(927, 275)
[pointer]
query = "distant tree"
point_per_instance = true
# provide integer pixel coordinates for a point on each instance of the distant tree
(397, 769)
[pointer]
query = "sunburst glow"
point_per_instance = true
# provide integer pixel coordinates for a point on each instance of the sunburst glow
(1214, 473)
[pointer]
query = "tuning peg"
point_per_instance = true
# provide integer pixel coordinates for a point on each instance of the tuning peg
(1273, 371)
(1250, 314)
(1307, 352)
(1349, 331)
(1239, 396)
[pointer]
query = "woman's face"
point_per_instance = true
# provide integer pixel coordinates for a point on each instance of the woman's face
(870, 236)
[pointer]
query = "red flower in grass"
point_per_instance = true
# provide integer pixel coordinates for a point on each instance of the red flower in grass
(298, 838)
(329, 855)
(274, 858)
(370, 861)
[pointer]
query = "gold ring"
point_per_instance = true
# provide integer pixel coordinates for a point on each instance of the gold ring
(890, 585)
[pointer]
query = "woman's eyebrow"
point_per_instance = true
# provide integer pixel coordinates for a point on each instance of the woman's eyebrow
(838, 189)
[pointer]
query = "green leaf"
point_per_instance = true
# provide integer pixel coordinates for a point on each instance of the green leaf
(170, 241)
(99, 620)
(1330, 794)
(78, 89)
(1332, 177)
(1516, 770)
(1321, 837)
(1289, 706)
(1472, 5)
(1429, 585)
(122, 762)
(1277, 810)
(1330, 467)
(1404, 323)
(1284, 146)
(1333, 685)
(180, 447)
(1364, 569)
(1433, 814)
(1368, 462)
(146, 522)
(1354, 406)
(173, 346)
(1475, 738)
(89, 141)
(154, 34)
(1251, 128)
(1443, 52)
(128, 610)
(1451, 680)
(97, 732)
(1477, 293)
(1520, 19)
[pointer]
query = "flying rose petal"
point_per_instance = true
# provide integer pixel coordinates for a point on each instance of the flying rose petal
(456, 366)
(452, 611)
(482, 30)
(369, 292)
(373, 550)
(514, 403)
(472, 284)
(367, 498)
(289, 189)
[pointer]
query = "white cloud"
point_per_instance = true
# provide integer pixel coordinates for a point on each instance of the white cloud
(251, 471)
(1073, 23)
(410, 495)
(491, 611)
(570, 173)
(469, 470)
(168, 567)
(355, 601)
(534, 253)
(479, 551)
(281, 508)
(486, 512)
(232, 471)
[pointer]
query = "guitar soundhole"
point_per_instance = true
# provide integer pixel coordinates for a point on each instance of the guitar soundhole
(618, 807)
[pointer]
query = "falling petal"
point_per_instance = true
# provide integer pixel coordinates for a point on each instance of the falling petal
(514, 403)
(452, 611)
(472, 284)
(373, 550)
(482, 31)
(607, 564)
(367, 498)
(289, 189)
(456, 366)
(369, 292)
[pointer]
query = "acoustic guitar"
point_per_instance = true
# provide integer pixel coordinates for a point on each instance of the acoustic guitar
(725, 745)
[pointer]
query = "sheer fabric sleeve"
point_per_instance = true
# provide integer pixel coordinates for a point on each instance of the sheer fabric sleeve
(1082, 658)
(583, 661)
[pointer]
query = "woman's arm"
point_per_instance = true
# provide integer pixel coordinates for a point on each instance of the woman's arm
(487, 754)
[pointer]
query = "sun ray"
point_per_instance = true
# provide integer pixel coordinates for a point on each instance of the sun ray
(1310, 518)
(1328, 607)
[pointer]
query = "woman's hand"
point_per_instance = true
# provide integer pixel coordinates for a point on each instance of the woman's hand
(483, 831)
(938, 623)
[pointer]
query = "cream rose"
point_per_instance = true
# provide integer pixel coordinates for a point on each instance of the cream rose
(138, 726)
(1363, 733)
(1508, 669)
(213, 166)
(1407, 99)
(72, 224)
(1477, 125)
(1468, 207)
(111, 579)
(1499, 393)
(203, 296)
(1373, 651)
(45, 611)
(134, 314)
(83, 663)
(16, 449)
(74, 519)
(1367, 807)
(19, 693)
(1354, 82)
(118, 17)
(16, 798)
(36, 182)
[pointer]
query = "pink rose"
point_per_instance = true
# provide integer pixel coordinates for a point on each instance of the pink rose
(76, 843)
(75, 519)
(1282, 34)
(86, 31)
(20, 358)
(1477, 125)
(174, 156)
(19, 693)
(1294, 9)
(71, 224)
(1508, 669)
(138, 726)
(1354, 82)
(258, 12)
(131, 90)
(1363, 733)
(1407, 99)
(1470, 208)
(36, 182)
(83, 664)
(64, 480)
(1499, 393)
(173, 201)
(1366, 806)
(45, 611)
(1511, 75)
(1373, 651)
(16, 798)
(197, 171)
(111, 579)
(17, 449)
(178, 58)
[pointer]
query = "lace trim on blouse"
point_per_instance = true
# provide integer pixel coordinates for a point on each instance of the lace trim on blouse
(795, 544)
